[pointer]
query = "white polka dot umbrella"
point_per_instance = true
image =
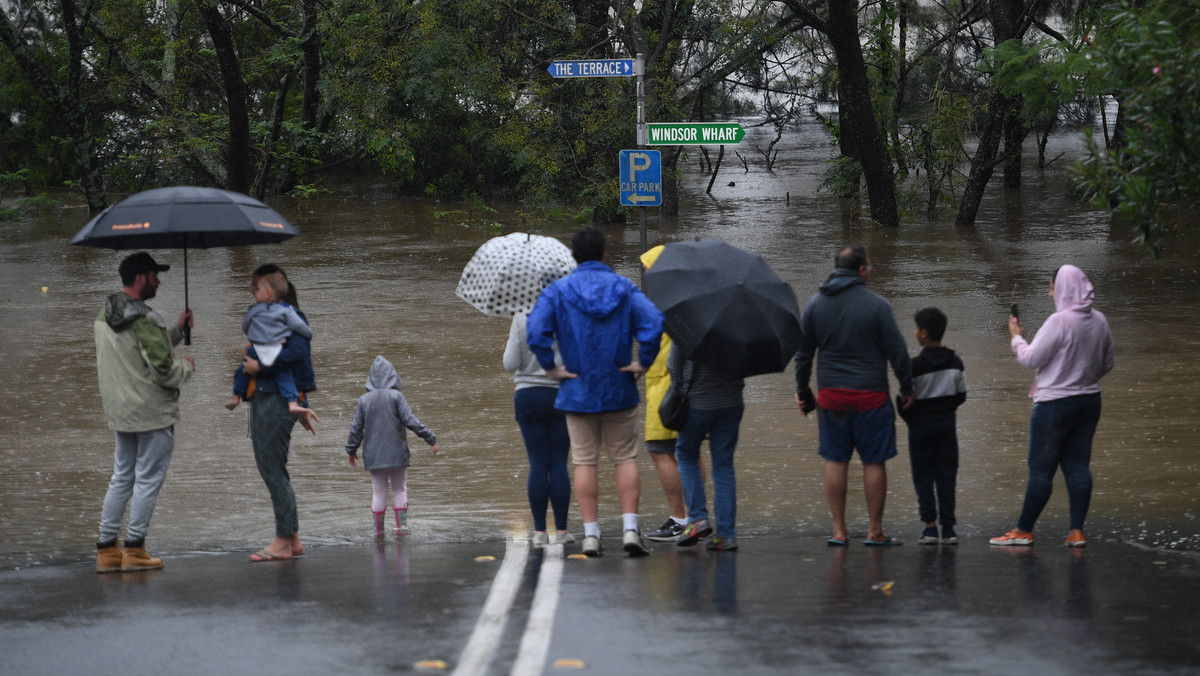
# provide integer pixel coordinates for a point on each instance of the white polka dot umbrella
(507, 273)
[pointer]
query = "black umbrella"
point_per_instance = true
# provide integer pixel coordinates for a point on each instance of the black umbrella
(725, 307)
(185, 217)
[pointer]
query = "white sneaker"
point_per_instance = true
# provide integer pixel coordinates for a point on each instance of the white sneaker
(591, 546)
(634, 545)
(562, 539)
(539, 539)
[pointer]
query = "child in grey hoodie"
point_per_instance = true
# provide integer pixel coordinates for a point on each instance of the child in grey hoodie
(379, 421)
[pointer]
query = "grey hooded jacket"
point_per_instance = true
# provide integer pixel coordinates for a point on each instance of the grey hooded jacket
(380, 418)
(856, 333)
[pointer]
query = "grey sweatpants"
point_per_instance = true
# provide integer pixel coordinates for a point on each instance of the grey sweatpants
(140, 464)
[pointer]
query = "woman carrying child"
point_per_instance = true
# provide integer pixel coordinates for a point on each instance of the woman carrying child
(271, 426)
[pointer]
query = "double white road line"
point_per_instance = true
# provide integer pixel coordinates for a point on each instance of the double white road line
(477, 656)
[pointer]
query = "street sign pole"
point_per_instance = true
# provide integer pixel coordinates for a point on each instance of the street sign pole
(639, 67)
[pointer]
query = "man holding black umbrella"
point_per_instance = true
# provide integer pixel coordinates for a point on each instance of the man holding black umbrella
(856, 335)
(140, 377)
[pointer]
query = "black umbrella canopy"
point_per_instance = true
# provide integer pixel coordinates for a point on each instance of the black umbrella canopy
(185, 217)
(725, 307)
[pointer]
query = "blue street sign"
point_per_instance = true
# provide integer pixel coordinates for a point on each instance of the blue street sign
(592, 68)
(641, 178)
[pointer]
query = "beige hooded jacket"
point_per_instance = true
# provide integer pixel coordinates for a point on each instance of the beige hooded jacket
(139, 374)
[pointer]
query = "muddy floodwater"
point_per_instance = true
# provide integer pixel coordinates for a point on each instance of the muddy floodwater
(376, 276)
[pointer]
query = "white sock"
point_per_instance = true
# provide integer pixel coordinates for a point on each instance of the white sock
(592, 529)
(630, 520)
(680, 522)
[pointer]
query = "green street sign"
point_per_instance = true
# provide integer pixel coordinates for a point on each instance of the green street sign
(694, 133)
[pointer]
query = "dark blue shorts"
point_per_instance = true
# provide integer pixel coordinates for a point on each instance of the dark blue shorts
(872, 432)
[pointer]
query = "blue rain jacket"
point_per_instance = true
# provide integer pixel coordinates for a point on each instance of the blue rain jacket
(595, 314)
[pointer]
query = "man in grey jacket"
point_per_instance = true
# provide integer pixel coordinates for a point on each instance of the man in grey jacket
(856, 335)
(140, 377)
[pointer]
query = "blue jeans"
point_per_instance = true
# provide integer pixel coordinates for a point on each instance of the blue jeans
(721, 425)
(1060, 435)
(544, 430)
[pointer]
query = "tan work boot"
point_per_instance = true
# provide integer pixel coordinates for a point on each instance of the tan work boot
(108, 557)
(136, 558)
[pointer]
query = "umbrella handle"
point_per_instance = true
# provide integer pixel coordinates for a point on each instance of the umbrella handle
(187, 327)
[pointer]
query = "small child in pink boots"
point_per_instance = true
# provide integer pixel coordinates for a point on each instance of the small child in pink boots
(380, 418)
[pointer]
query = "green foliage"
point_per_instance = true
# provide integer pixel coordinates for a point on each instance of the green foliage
(1149, 59)
(18, 177)
(1043, 76)
(843, 177)
(307, 191)
(36, 202)
(935, 145)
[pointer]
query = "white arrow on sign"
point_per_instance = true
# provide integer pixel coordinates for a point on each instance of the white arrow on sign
(634, 197)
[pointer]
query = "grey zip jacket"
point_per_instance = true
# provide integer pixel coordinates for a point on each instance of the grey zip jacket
(857, 336)
(380, 419)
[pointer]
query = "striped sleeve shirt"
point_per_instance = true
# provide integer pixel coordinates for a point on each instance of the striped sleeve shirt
(939, 384)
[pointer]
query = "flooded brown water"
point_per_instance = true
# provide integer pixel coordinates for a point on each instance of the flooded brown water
(377, 275)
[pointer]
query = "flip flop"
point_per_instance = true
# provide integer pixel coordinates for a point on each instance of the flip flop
(886, 542)
(264, 555)
(834, 542)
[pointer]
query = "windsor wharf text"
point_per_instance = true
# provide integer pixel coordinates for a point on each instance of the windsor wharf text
(683, 133)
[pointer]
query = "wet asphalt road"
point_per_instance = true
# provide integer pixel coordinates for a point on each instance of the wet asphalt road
(777, 606)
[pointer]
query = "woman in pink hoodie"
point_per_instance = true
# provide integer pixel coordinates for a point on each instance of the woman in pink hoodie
(1071, 352)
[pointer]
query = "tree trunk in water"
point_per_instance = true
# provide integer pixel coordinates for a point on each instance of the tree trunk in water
(984, 162)
(237, 153)
(857, 115)
(1014, 138)
(1001, 122)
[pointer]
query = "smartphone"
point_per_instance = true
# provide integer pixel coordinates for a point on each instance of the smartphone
(1012, 309)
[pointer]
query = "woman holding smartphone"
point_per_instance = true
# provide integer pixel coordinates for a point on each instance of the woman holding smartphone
(1069, 355)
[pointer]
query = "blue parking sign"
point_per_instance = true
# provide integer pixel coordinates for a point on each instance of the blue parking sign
(641, 178)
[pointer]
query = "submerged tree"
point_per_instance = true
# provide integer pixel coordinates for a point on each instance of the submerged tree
(861, 137)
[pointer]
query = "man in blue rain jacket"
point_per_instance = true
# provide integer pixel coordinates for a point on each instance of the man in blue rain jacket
(594, 315)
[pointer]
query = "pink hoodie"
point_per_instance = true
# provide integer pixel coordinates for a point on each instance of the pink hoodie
(1074, 348)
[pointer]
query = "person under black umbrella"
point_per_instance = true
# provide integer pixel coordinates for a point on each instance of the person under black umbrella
(140, 376)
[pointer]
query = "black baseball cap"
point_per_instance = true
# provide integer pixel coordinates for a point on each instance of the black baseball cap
(138, 263)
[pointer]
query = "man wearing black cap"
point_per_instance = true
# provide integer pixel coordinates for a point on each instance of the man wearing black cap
(139, 378)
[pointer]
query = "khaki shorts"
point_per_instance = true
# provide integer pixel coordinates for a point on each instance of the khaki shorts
(616, 430)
